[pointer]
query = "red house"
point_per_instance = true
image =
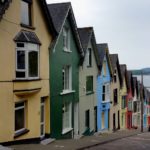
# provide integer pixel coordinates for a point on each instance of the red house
(130, 95)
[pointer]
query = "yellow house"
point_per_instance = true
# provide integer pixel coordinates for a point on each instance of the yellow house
(123, 97)
(25, 35)
(114, 115)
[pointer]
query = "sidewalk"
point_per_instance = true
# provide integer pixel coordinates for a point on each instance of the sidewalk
(79, 144)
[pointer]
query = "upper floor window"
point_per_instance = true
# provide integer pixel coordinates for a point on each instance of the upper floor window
(123, 102)
(27, 61)
(89, 84)
(66, 39)
(115, 96)
(66, 74)
(89, 57)
(115, 76)
(104, 68)
(26, 12)
(106, 92)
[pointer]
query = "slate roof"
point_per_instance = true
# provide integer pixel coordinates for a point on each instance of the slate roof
(59, 13)
(123, 70)
(114, 59)
(3, 7)
(27, 36)
(102, 52)
(87, 35)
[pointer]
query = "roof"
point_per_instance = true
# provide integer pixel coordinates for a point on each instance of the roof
(115, 64)
(27, 36)
(87, 35)
(102, 52)
(59, 13)
(123, 70)
(3, 7)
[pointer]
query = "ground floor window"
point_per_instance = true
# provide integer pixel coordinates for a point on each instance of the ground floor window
(66, 116)
(19, 116)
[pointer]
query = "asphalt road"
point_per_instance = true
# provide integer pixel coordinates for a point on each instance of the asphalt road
(138, 142)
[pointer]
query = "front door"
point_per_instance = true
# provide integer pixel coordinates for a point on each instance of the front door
(76, 123)
(114, 122)
(42, 123)
(118, 119)
(95, 117)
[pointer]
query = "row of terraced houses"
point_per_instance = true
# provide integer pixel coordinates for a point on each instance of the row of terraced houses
(56, 81)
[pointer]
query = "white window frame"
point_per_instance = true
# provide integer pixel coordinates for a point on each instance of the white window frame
(66, 39)
(69, 80)
(18, 108)
(28, 47)
(69, 128)
(107, 92)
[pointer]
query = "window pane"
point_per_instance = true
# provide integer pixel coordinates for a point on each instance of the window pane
(20, 59)
(19, 119)
(25, 13)
(89, 84)
(33, 64)
(20, 74)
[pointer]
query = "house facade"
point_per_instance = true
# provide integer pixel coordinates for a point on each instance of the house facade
(65, 54)
(129, 100)
(115, 93)
(123, 97)
(87, 83)
(136, 115)
(103, 88)
(25, 35)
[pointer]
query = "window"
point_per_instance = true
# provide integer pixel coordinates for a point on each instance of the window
(89, 84)
(106, 92)
(89, 57)
(26, 12)
(87, 119)
(27, 61)
(130, 105)
(115, 96)
(19, 117)
(66, 115)
(66, 74)
(123, 102)
(66, 39)
(135, 106)
(104, 68)
(115, 76)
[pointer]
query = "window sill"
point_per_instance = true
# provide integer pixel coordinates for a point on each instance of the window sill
(89, 66)
(67, 92)
(67, 50)
(66, 130)
(89, 93)
(20, 133)
(27, 26)
(26, 80)
(108, 101)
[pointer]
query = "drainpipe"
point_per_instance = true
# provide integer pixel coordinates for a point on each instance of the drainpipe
(141, 101)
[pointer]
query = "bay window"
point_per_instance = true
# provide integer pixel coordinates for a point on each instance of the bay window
(27, 61)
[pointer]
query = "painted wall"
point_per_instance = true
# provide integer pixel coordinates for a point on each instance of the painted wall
(103, 106)
(10, 26)
(114, 107)
(59, 58)
(123, 112)
(87, 101)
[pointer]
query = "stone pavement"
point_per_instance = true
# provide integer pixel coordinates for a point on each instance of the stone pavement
(83, 143)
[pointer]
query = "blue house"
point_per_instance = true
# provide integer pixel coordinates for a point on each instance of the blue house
(103, 88)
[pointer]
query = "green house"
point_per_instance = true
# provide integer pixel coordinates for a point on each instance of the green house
(65, 56)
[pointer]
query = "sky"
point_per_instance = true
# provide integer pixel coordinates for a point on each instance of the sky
(123, 24)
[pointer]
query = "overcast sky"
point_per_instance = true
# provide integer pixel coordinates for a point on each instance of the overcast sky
(123, 24)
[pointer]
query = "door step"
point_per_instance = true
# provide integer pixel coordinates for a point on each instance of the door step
(78, 136)
(47, 141)
(5, 148)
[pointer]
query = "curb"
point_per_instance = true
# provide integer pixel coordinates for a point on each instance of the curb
(107, 141)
